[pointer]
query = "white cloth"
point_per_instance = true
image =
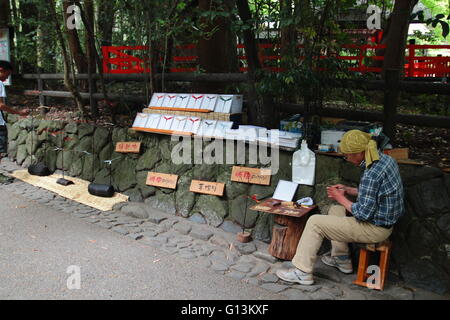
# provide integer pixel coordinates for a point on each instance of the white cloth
(2, 95)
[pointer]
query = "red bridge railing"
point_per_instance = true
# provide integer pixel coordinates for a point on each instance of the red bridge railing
(131, 59)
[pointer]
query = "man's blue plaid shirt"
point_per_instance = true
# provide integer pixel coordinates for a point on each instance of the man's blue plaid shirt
(380, 193)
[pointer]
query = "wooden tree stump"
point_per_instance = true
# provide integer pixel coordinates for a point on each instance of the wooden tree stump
(286, 234)
(289, 224)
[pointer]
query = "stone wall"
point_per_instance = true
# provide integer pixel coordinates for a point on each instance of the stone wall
(421, 253)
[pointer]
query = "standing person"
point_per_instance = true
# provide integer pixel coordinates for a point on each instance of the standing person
(378, 206)
(5, 71)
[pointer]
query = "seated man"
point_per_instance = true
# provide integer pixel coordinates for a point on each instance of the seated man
(378, 206)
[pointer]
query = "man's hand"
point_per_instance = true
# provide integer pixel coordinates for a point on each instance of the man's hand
(348, 190)
(340, 186)
(336, 193)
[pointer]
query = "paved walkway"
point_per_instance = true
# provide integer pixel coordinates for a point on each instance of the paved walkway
(160, 257)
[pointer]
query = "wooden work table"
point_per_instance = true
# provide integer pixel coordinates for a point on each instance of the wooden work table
(289, 224)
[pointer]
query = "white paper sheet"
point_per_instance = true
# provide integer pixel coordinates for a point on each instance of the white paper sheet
(169, 100)
(192, 124)
(179, 123)
(181, 101)
(209, 102)
(153, 121)
(224, 103)
(236, 106)
(195, 101)
(140, 120)
(157, 100)
(222, 127)
(166, 122)
(207, 128)
(285, 190)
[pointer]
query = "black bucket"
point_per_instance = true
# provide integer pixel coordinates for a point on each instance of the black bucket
(101, 190)
(39, 169)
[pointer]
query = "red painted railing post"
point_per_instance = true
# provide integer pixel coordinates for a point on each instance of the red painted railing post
(411, 56)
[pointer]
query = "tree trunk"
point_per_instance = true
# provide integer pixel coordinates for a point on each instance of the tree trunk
(398, 33)
(45, 58)
(91, 51)
(75, 48)
(88, 20)
(106, 10)
(288, 36)
(393, 62)
(217, 54)
(4, 13)
(259, 112)
(26, 37)
(70, 83)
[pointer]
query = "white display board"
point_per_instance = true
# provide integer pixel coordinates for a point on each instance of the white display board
(5, 50)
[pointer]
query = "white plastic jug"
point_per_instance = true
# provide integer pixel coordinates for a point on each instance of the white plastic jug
(304, 165)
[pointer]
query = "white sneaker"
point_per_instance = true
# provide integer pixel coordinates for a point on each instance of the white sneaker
(344, 266)
(295, 275)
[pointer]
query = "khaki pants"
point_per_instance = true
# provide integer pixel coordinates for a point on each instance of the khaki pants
(340, 230)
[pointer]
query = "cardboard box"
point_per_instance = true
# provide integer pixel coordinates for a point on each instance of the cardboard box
(293, 124)
(332, 137)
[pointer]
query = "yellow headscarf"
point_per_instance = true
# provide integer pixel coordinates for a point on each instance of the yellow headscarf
(355, 141)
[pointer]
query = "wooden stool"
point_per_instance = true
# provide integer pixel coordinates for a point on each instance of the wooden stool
(364, 254)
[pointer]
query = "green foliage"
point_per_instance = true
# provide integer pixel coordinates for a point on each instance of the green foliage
(440, 19)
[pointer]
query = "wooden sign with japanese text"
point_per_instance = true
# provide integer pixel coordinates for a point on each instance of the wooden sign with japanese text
(207, 187)
(251, 175)
(128, 147)
(162, 180)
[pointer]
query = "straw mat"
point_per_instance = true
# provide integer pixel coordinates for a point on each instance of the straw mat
(77, 191)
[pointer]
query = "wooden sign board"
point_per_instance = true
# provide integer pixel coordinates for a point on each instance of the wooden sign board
(251, 175)
(398, 153)
(207, 187)
(162, 180)
(128, 147)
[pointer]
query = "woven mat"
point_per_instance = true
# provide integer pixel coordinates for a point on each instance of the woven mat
(77, 191)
